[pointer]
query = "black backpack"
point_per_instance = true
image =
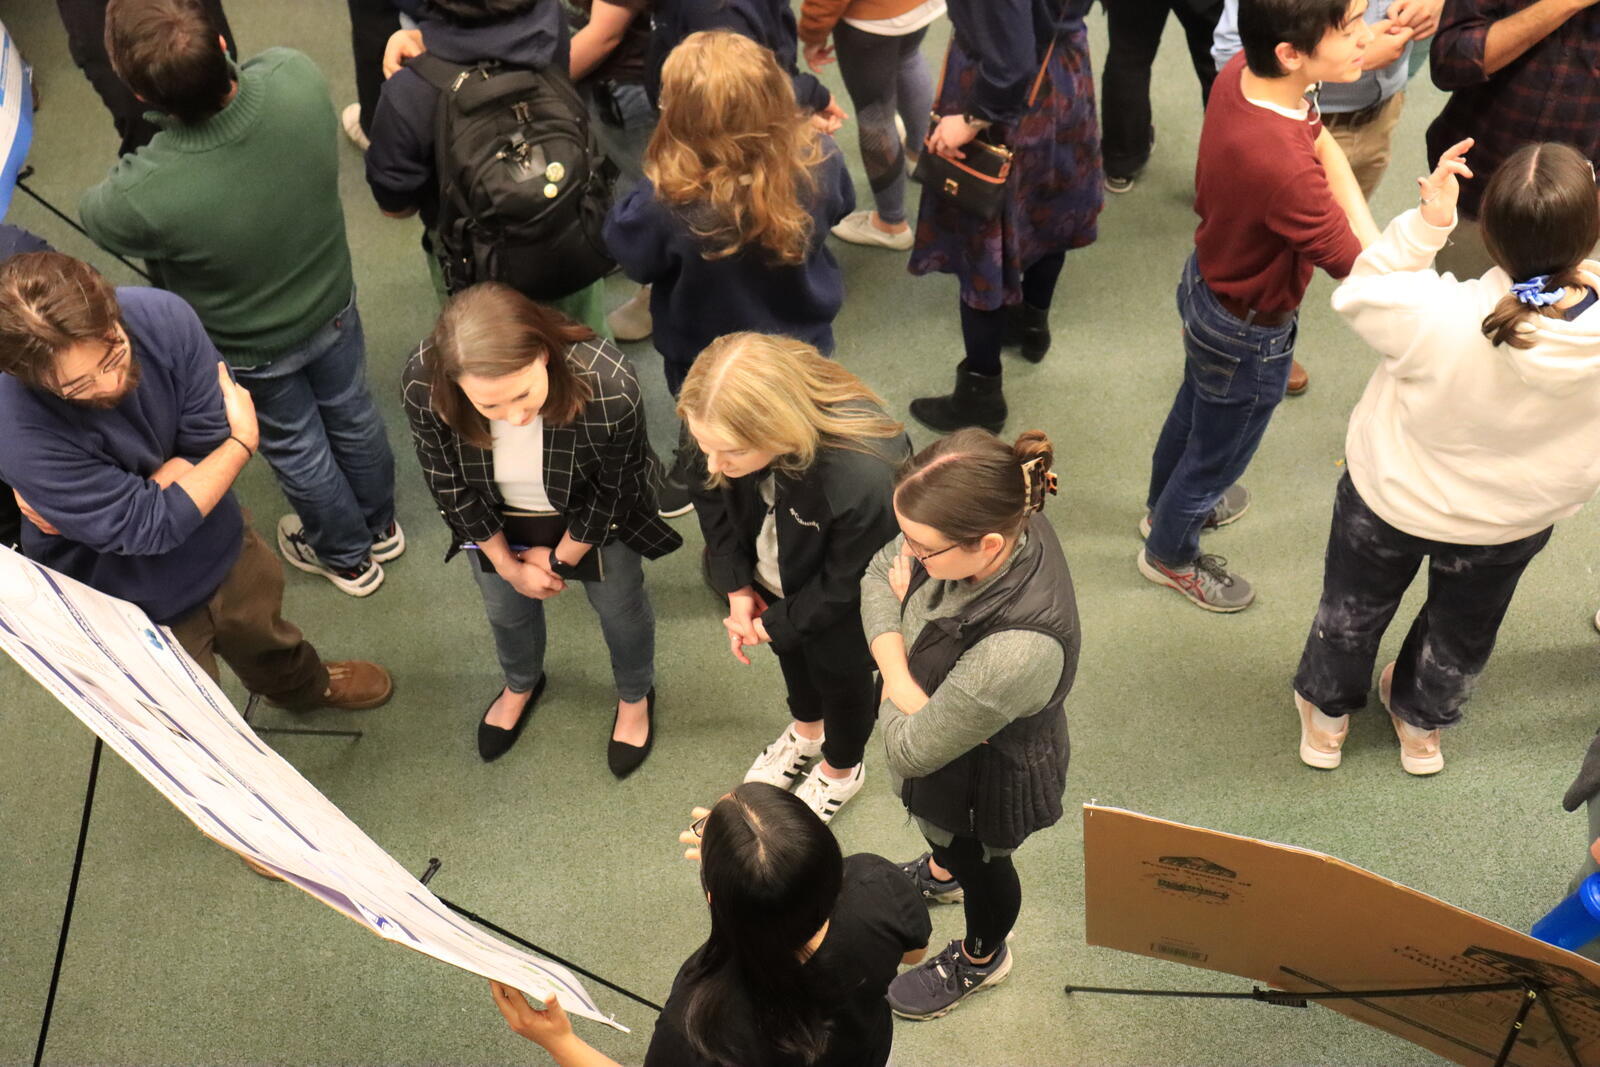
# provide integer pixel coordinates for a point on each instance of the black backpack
(523, 186)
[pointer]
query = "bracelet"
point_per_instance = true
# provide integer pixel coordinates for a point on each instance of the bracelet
(248, 451)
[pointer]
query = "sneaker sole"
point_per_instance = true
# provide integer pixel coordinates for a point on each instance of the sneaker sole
(367, 585)
(855, 237)
(676, 512)
(1309, 755)
(392, 549)
(988, 983)
(1161, 579)
(1422, 768)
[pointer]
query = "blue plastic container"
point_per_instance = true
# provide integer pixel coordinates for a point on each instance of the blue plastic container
(1575, 921)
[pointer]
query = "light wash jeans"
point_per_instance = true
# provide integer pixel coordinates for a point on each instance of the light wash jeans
(325, 440)
(627, 621)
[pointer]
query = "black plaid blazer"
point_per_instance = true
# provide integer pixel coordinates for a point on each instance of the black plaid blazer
(599, 470)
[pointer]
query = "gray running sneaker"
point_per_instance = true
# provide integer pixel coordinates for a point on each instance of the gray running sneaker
(1206, 582)
(932, 890)
(1234, 503)
(937, 986)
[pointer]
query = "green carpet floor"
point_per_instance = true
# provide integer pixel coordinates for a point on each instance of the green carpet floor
(177, 955)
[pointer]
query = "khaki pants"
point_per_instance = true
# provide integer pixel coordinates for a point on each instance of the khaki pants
(1367, 147)
(241, 623)
(1465, 256)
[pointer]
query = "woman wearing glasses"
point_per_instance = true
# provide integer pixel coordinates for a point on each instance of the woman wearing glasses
(1479, 429)
(794, 465)
(803, 943)
(974, 626)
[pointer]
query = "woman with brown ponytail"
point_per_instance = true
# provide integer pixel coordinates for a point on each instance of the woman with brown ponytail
(972, 621)
(1479, 429)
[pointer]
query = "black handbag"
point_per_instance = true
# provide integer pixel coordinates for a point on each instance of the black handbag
(977, 183)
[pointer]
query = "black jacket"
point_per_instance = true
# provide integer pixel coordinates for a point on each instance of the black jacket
(832, 518)
(599, 470)
(766, 22)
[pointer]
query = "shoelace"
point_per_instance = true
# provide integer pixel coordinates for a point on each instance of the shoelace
(1216, 567)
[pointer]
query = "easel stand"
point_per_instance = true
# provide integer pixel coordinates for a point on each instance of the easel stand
(83, 838)
(27, 172)
(1532, 994)
(254, 702)
(433, 868)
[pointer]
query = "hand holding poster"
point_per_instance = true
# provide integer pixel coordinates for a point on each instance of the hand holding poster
(132, 685)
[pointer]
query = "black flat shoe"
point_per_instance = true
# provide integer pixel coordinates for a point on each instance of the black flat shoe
(496, 741)
(624, 759)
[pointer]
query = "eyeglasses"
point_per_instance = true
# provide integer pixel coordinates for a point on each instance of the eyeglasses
(923, 557)
(117, 353)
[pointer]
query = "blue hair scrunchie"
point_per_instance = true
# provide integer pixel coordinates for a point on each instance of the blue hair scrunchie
(1531, 292)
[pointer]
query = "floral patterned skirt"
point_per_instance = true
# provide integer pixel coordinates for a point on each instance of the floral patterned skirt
(1055, 186)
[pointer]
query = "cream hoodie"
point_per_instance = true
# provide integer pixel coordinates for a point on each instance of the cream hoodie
(1454, 439)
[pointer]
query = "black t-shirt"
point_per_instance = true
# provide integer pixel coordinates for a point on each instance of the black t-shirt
(878, 919)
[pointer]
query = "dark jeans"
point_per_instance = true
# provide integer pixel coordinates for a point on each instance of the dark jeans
(1135, 33)
(1234, 376)
(85, 21)
(829, 679)
(992, 892)
(1369, 566)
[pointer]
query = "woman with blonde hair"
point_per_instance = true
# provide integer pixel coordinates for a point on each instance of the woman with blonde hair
(730, 222)
(532, 439)
(792, 478)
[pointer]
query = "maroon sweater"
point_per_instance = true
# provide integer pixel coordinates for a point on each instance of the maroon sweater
(1267, 216)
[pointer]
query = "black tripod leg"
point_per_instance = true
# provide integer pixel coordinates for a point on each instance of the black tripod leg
(1561, 1031)
(1515, 1032)
(72, 896)
(255, 702)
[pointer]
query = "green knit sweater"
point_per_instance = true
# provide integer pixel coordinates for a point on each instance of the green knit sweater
(240, 214)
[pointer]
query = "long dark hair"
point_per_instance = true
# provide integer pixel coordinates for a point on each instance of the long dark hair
(1540, 216)
(492, 330)
(972, 483)
(772, 873)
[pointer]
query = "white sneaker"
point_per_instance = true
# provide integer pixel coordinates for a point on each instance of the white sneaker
(297, 552)
(825, 795)
(350, 119)
(857, 228)
(631, 321)
(783, 763)
(391, 545)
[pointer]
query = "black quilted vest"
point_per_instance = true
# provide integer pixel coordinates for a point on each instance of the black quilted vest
(1011, 785)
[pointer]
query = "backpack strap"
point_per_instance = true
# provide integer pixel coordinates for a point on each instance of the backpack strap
(439, 73)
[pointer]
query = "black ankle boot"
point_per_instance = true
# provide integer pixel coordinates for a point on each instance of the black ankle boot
(976, 401)
(1029, 328)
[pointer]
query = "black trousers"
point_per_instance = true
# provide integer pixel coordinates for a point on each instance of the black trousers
(991, 892)
(1135, 27)
(85, 21)
(829, 679)
(1369, 566)
(372, 22)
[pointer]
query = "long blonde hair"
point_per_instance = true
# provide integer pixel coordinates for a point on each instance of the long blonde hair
(733, 151)
(775, 394)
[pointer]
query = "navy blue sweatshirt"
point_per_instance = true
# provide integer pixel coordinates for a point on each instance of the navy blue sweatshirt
(86, 470)
(1008, 39)
(766, 22)
(695, 300)
(400, 163)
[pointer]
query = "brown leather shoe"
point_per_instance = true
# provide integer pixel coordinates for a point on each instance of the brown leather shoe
(1298, 379)
(355, 685)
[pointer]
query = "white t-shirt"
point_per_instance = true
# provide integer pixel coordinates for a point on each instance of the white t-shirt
(900, 25)
(519, 465)
(1455, 439)
(767, 572)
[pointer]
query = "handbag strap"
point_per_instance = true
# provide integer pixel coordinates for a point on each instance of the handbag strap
(1038, 79)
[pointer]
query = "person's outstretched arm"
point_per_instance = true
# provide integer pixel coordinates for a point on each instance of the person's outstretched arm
(550, 1029)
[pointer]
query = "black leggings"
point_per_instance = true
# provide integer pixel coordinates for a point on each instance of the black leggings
(992, 897)
(829, 679)
(983, 331)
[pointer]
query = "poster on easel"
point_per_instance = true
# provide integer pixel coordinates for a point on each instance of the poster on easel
(1306, 922)
(129, 682)
(16, 116)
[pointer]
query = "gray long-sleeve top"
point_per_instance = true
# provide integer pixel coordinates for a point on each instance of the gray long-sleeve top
(1003, 677)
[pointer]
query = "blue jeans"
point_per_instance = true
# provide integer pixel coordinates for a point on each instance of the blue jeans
(1234, 375)
(627, 622)
(325, 440)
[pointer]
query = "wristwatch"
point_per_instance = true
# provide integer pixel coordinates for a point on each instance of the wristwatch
(567, 572)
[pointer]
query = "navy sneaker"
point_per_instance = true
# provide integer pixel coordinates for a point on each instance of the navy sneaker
(934, 987)
(932, 890)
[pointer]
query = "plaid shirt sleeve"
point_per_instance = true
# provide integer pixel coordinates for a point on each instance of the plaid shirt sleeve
(470, 516)
(1456, 56)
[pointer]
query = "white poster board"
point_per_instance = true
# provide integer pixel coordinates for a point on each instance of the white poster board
(129, 682)
(16, 116)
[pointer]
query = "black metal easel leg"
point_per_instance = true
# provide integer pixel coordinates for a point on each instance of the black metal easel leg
(255, 702)
(1514, 1032)
(72, 896)
(433, 869)
(70, 221)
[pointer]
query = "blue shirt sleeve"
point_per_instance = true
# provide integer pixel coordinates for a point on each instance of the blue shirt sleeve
(638, 232)
(998, 34)
(1225, 43)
